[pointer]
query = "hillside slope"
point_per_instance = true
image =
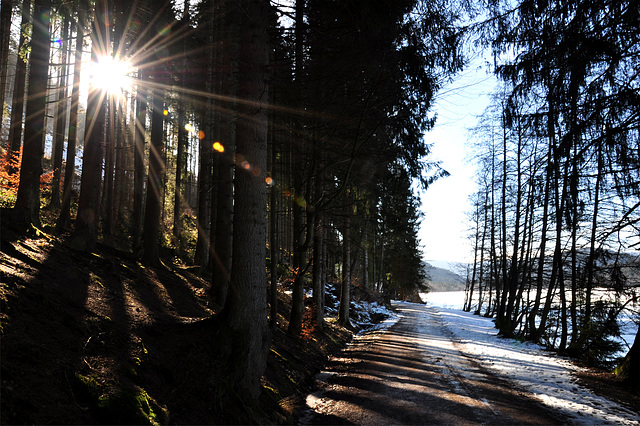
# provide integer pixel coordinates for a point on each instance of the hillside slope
(95, 338)
(441, 279)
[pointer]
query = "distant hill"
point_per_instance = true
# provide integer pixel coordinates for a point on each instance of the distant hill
(441, 279)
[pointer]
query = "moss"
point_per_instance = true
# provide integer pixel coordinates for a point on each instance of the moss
(131, 406)
(86, 389)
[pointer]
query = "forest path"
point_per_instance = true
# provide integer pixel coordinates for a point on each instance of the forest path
(415, 373)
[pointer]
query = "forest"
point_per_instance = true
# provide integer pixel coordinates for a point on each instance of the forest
(267, 148)
(555, 220)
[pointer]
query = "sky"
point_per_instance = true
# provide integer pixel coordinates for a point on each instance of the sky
(445, 204)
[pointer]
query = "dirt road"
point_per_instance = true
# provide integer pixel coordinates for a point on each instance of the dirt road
(413, 373)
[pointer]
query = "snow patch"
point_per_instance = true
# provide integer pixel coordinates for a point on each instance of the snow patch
(548, 377)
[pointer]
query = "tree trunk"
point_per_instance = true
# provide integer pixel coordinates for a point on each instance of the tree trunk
(109, 166)
(60, 114)
(182, 141)
(274, 242)
(155, 189)
(17, 104)
(138, 160)
(246, 308)
(345, 291)
(205, 174)
(28, 199)
(630, 368)
(5, 24)
(318, 271)
(86, 227)
(226, 165)
(69, 171)
(472, 283)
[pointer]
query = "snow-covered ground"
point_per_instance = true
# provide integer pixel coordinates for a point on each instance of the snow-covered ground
(547, 377)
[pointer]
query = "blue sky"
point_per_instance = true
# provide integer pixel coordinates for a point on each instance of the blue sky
(445, 204)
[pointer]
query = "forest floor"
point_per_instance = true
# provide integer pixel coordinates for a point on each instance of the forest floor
(97, 337)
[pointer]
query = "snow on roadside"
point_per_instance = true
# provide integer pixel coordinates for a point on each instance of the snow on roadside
(547, 377)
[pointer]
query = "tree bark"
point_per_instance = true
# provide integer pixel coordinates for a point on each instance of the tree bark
(246, 308)
(60, 114)
(345, 291)
(28, 199)
(155, 189)
(69, 171)
(225, 191)
(138, 160)
(182, 141)
(85, 233)
(17, 104)
(5, 24)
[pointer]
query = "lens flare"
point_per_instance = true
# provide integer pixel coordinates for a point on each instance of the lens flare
(111, 74)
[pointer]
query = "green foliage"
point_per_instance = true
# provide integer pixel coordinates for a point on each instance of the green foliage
(401, 218)
(597, 345)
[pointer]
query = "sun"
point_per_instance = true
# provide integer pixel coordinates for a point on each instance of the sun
(111, 75)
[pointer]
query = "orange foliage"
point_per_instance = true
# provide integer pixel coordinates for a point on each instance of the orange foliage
(309, 324)
(10, 181)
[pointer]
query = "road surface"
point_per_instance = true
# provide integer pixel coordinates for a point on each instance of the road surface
(414, 373)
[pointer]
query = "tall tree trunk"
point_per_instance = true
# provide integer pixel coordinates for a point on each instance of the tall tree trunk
(226, 159)
(69, 171)
(345, 291)
(138, 160)
(513, 281)
(85, 232)
(155, 188)
(60, 114)
(586, 320)
(502, 320)
(472, 283)
(318, 271)
(299, 226)
(28, 199)
(18, 101)
(299, 267)
(246, 308)
(274, 242)
(109, 166)
(318, 247)
(5, 24)
(205, 174)
(182, 141)
(534, 329)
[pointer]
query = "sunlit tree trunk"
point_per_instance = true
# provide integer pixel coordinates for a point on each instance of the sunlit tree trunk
(18, 101)
(182, 141)
(155, 189)
(60, 114)
(28, 199)
(85, 233)
(5, 24)
(138, 160)
(69, 172)
(109, 168)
